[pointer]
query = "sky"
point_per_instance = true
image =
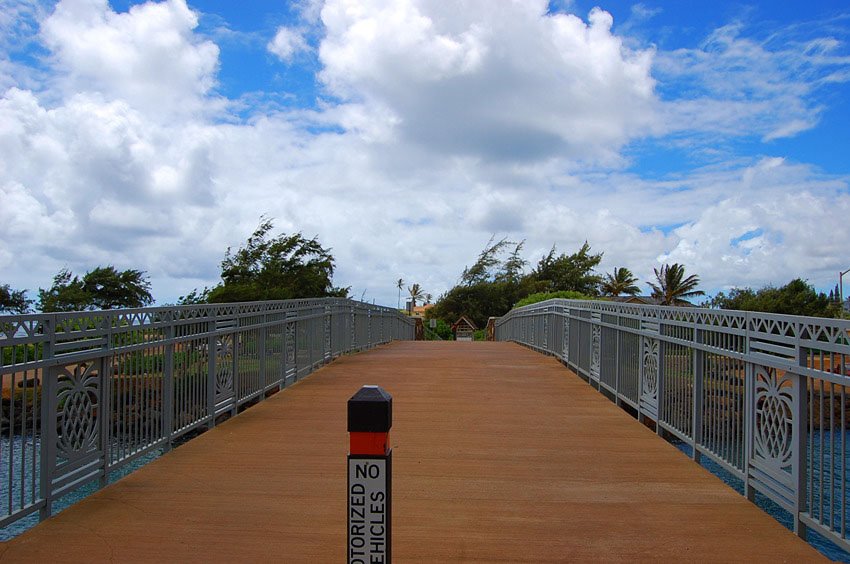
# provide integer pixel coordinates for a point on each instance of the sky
(405, 133)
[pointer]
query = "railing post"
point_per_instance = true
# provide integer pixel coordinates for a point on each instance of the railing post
(662, 361)
(105, 372)
(799, 438)
(309, 334)
(698, 367)
(167, 401)
(47, 429)
(327, 334)
(750, 407)
(369, 327)
(297, 324)
(261, 353)
(212, 353)
(370, 413)
(235, 345)
(617, 363)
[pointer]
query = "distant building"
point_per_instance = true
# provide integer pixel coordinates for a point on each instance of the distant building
(464, 329)
(419, 311)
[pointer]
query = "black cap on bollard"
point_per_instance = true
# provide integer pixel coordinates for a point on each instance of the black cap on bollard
(370, 410)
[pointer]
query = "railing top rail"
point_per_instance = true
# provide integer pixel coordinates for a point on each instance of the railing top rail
(267, 305)
(678, 313)
(219, 308)
(87, 328)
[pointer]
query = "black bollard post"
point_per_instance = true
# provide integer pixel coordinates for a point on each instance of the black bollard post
(370, 416)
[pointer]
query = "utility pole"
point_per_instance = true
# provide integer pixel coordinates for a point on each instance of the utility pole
(841, 289)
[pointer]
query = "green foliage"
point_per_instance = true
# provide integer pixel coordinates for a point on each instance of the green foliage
(480, 335)
(543, 296)
(444, 330)
(569, 272)
(399, 284)
(416, 293)
(110, 288)
(195, 297)
(512, 269)
(673, 286)
(795, 298)
(147, 361)
(478, 302)
(22, 353)
(275, 268)
(621, 281)
(101, 288)
(13, 301)
(482, 270)
(66, 294)
(491, 286)
(488, 288)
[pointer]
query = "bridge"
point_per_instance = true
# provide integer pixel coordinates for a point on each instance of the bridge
(500, 452)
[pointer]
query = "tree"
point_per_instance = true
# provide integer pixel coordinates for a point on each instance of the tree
(13, 301)
(512, 268)
(195, 297)
(399, 284)
(110, 288)
(416, 293)
(795, 298)
(673, 287)
(66, 294)
(621, 281)
(101, 288)
(543, 296)
(573, 272)
(276, 268)
(482, 270)
(478, 302)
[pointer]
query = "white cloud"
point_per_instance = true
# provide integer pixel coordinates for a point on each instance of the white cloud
(514, 83)
(774, 222)
(148, 57)
(734, 85)
(83, 183)
(445, 124)
(287, 43)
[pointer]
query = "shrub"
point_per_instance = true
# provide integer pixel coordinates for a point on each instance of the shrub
(543, 296)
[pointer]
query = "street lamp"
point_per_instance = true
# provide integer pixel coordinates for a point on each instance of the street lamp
(841, 288)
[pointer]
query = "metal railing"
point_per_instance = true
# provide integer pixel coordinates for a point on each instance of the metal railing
(86, 393)
(763, 396)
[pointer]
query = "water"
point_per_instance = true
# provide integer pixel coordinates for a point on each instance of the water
(821, 543)
(16, 443)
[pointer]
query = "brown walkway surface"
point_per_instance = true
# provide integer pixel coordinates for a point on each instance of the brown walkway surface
(500, 454)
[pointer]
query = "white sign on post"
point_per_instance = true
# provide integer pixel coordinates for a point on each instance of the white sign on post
(368, 511)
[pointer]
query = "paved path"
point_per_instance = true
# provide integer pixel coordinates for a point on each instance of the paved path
(500, 454)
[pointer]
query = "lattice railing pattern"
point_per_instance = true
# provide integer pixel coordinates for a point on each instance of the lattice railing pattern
(89, 392)
(764, 396)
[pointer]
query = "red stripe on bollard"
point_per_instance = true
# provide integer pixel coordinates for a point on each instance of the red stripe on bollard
(369, 443)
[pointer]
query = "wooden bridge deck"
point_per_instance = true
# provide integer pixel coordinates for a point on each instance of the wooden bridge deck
(500, 454)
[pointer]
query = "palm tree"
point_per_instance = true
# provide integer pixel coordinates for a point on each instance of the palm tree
(399, 284)
(672, 285)
(416, 293)
(622, 281)
(428, 298)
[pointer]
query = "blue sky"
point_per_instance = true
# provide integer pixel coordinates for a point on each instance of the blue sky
(404, 134)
